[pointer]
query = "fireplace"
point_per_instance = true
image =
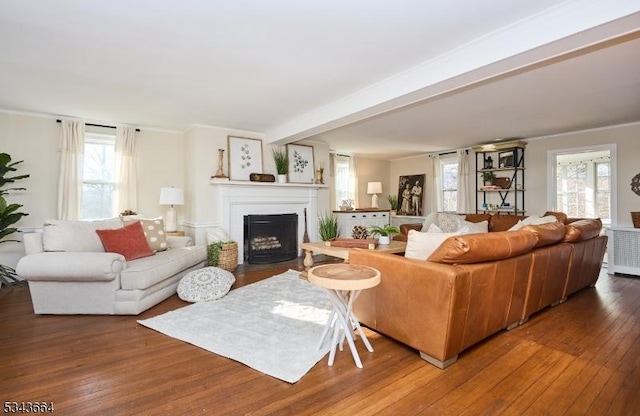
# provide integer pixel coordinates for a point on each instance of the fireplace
(270, 238)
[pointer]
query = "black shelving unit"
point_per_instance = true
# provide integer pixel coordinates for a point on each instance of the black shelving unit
(506, 193)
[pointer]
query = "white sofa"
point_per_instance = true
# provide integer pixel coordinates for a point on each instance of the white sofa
(69, 272)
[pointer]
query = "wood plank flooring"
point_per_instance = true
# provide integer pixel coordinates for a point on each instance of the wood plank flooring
(579, 358)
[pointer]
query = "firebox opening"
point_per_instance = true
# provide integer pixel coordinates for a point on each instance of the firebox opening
(270, 238)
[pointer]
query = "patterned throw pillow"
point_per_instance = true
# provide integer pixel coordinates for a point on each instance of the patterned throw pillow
(202, 285)
(450, 223)
(153, 232)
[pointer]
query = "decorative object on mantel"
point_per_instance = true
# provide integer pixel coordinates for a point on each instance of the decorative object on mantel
(245, 157)
(320, 174)
(374, 188)
(301, 163)
(220, 172)
(359, 232)
(281, 159)
(635, 184)
(262, 177)
(171, 196)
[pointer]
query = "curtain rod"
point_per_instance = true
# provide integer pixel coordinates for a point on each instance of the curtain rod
(95, 125)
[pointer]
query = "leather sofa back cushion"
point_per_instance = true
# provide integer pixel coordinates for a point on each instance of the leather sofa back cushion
(476, 248)
(546, 234)
(582, 230)
(560, 216)
(128, 241)
(61, 235)
(477, 217)
(503, 222)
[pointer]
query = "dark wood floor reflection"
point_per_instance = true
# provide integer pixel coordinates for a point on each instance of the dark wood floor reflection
(578, 358)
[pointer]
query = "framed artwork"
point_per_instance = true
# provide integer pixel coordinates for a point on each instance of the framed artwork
(245, 157)
(506, 159)
(301, 165)
(411, 195)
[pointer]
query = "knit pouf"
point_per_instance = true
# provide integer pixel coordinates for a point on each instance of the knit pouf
(208, 283)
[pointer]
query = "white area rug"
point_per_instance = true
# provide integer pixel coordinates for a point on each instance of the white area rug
(272, 326)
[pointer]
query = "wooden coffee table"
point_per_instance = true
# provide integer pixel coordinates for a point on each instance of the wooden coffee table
(343, 252)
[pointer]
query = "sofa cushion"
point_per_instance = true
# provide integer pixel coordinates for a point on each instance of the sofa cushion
(503, 222)
(469, 227)
(153, 232)
(476, 248)
(128, 241)
(145, 272)
(450, 223)
(582, 230)
(61, 235)
(206, 284)
(560, 216)
(547, 234)
(420, 245)
(432, 218)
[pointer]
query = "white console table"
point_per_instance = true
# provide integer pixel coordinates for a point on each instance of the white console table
(347, 220)
(623, 250)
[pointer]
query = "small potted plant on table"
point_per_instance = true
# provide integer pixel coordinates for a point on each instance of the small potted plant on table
(328, 228)
(385, 232)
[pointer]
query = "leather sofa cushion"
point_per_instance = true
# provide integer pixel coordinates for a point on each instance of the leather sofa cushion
(546, 234)
(560, 216)
(503, 222)
(477, 217)
(581, 230)
(476, 248)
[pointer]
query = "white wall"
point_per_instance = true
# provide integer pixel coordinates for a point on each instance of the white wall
(371, 170)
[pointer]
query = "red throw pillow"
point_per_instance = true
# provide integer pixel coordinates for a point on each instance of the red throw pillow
(128, 241)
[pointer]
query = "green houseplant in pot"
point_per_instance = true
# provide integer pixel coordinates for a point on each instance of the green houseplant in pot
(328, 228)
(488, 178)
(281, 159)
(393, 201)
(384, 232)
(9, 213)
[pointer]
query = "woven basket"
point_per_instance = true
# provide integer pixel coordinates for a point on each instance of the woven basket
(635, 217)
(227, 258)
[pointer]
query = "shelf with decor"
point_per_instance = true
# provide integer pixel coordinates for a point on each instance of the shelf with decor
(500, 172)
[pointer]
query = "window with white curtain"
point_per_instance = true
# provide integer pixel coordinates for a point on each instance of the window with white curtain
(343, 180)
(99, 182)
(448, 184)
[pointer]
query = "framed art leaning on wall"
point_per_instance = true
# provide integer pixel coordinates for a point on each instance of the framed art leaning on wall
(245, 157)
(301, 165)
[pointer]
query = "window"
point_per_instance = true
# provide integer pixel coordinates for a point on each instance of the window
(584, 184)
(344, 180)
(98, 178)
(449, 184)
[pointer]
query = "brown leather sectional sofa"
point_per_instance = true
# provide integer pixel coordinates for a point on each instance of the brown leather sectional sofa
(475, 285)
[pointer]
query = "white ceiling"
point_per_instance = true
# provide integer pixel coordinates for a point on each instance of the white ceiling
(380, 78)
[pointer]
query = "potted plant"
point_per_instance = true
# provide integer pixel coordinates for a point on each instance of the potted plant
(281, 159)
(393, 201)
(328, 228)
(385, 232)
(9, 213)
(488, 178)
(223, 254)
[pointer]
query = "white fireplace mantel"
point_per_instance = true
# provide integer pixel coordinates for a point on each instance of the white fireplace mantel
(235, 199)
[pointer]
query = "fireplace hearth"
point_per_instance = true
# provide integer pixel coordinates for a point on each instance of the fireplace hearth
(270, 238)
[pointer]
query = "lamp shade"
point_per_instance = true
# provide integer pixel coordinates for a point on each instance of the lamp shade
(171, 196)
(374, 187)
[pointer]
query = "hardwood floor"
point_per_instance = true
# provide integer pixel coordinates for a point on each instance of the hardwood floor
(579, 358)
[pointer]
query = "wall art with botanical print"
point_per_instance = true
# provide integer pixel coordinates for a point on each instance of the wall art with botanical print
(245, 157)
(301, 165)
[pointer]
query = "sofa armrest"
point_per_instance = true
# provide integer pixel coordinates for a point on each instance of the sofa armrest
(174, 241)
(32, 243)
(70, 266)
(405, 228)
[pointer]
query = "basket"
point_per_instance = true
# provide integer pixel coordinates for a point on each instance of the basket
(635, 217)
(227, 258)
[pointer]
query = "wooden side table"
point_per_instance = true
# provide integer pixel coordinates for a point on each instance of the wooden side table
(344, 282)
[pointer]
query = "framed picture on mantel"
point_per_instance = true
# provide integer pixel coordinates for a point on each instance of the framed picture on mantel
(245, 157)
(301, 164)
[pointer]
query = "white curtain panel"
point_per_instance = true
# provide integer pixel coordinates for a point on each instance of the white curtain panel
(71, 165)
(432, 190)
(353, 179)
(463, 205)
(126, 172)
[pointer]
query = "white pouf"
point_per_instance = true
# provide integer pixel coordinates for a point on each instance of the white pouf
(202, 285)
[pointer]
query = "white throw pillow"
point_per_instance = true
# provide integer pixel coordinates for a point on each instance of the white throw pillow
(533, 220)
(474, 227)
(61, 235)
(202, 285)
(450, 223)
(433, 229)
(420, 245)
(428, 220)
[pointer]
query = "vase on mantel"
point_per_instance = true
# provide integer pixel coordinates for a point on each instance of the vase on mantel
(282, 178)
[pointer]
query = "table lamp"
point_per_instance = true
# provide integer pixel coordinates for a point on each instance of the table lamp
(374, 188)
(171, 196)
